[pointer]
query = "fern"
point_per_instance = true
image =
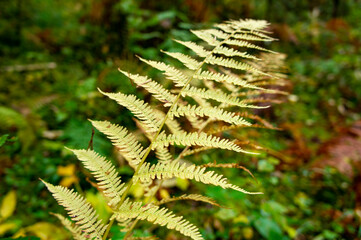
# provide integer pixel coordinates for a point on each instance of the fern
(148, 172)
(80, 211)
(218, 83)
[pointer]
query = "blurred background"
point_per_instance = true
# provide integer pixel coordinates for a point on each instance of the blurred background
(55, 54)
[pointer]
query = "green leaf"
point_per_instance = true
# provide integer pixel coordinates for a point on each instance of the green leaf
(3, 139)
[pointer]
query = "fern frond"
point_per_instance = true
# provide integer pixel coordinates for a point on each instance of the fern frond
(138, 107)
(249, 24)
(217, 95)
(231, 63)
(75, 230)
(219, 77)
(217, 33)
(212, 112)
(241, 43)
(199, 50)
(173, 125)
(105, 173)
(194, 197)
(196, 150)
(172, 73)
(124, 141)
(228, 165)
(157, 90)
(80, 211)
(125, 224)
(163, 154)
(207, 37)
(188, 61)
(195, 139)
(250, 37)
(157, 215)
(148, 172)
(230, 52)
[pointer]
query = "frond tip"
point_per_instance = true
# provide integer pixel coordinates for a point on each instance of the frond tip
(75, 230)
(104, 172)
(80, 211)
(148, 172)
(157, 215)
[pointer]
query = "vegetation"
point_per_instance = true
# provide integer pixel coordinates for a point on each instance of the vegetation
(52, 64)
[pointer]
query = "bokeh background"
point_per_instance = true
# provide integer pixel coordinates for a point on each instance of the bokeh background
(55, 54)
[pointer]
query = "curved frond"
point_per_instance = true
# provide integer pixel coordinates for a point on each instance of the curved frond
(195, 139)
(199, 50)
(138, 107)
(80, 211)
(231, 63)
(193, 197)
(172, 73)
(172, 124)
(157, 90)
(220, 77)
(188, 61)
(230, 52)
(157, 215)
(212, 112)
(217, 95)
(124, 141)
(105, 173)
(148, 172)
(207, 37)
(245, 44)
(75, 230)
(163, 154)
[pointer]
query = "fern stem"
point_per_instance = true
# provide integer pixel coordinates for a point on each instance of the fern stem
(161, 182)
(130, 184)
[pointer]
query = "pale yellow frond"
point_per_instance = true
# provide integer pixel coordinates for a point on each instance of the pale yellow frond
(80, 211)
(199, 50)
(172, 73)
(245, 36)
(212, 112)
(219, 77)
(157, 215)
(207, 37)
(196, 150)
(249, 24)
(217, 95)
(251, 37)
(231, 63)
(195, 139)
(163, 154)
(148, 172)
(105, 173)
(230, 52)
(217, 33)
(157, 90)
(188, 61)
(75, 230)
(245, 44)
(138, 107)
(125, 142)
(193, 197)
(173, 125)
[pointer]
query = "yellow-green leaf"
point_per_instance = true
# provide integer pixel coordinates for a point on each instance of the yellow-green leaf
(6, 227)
(8, 205)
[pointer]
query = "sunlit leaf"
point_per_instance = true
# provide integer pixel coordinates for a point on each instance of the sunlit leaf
(8, 205)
